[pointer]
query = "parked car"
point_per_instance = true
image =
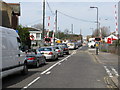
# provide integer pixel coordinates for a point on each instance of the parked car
(48, 52)
(35, 59)
(64, 47)
(13, 58)
(71, 45)
(59, 50)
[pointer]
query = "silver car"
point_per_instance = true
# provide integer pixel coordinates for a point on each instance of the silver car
(35, 59)
(48, 52)
(59, 50)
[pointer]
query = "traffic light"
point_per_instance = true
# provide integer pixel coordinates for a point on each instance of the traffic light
(97, 39)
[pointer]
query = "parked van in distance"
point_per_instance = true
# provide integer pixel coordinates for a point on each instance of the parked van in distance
(13, 58)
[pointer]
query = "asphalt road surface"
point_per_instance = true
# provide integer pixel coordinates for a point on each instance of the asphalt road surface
(77, 70)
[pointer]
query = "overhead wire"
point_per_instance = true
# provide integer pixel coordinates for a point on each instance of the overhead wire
(78, 19)
(37, 20)
(50, 8)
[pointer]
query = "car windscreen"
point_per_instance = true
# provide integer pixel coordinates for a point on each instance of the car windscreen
(45, 49)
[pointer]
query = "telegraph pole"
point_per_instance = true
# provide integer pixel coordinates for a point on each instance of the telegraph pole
(72, 28)
(43, 19)
(55, 25)
(56, 22)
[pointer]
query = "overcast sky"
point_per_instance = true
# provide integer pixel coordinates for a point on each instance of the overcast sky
(31, 13)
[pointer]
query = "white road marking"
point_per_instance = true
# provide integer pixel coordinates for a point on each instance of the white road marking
(116, 73)
(80, 48)
(59, 63)
(108, 71)
(98, 80)
(48, 72)
(91, 49)
(31, 83)
(56, 64)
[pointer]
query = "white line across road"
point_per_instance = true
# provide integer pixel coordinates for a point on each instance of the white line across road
(108, 71)
(116, 73)
(112, 72)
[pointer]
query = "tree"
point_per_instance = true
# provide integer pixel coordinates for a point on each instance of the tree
(38, 26)
(104, 32)
(24, 36)
(66, 31)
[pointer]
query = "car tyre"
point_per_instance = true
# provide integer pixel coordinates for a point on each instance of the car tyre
(37, 64)
(44, 61)
(25, 70)
(67, 53)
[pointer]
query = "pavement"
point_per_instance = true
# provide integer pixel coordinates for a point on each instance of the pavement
(110, 63)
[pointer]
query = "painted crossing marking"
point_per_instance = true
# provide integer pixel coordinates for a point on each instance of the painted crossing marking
(116, 73)
(108, 71)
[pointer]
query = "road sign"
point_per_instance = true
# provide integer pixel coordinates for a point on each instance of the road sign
(32, 37)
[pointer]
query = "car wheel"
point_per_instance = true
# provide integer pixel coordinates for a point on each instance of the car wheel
(44, 61)
(57, 58)
(54, 58)
(67, 53)
(37, 64)
(25, 70)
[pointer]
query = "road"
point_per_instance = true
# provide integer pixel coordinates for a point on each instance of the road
(77, 70)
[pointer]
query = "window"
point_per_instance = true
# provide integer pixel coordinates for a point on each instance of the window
(18, 40)
(37, 35)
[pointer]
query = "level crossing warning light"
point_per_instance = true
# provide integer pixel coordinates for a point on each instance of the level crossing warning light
(97, 39)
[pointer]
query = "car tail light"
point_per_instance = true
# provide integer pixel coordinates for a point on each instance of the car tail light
(32, 58)
(50, 53)
(66, 48)
(59, 51)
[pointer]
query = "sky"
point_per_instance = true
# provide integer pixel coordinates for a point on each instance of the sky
(31, 13)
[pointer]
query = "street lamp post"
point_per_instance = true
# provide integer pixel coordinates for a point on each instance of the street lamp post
(97, 46)
(97, 20)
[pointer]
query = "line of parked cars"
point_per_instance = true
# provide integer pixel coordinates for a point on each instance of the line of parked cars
(39, 56)
(43, 54)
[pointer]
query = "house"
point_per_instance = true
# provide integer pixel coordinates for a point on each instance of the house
(9, 14)
(36, 37)
(110, 38)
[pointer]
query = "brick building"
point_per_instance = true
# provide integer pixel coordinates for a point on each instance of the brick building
(9, 14)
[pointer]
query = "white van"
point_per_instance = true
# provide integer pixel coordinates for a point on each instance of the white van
(13, 59)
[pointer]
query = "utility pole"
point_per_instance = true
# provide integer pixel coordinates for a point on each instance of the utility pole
(58, 33)
(43, 20)
(80, 32)
(56, 22)
(72, 28)
(55, 25)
